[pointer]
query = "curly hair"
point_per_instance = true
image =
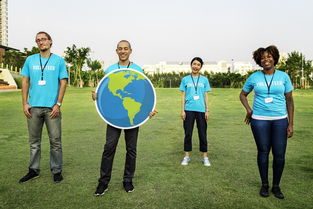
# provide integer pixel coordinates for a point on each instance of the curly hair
(272, 50)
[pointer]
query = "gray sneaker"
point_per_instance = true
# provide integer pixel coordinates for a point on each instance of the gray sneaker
(185, 161)
(206, 161)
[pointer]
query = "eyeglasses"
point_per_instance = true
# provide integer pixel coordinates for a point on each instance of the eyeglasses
(41, 40)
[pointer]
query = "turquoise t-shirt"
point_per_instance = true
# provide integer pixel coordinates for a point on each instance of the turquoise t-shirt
(117, 66)
(281, 84)
(55, 70)
(189, 86)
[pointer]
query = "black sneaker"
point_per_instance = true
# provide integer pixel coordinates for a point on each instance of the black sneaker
(264, 190)
(101, 189)
(128, 186)
(57, 177)
(30, 175)
(277, 192)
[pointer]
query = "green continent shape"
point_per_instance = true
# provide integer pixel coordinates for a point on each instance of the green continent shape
(118, 81)
(132, 108)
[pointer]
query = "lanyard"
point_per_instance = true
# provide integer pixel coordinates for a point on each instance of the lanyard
(43, 68)
(119, 65)
(268, 85)
(196, 86)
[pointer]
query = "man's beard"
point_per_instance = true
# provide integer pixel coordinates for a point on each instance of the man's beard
(44, 50)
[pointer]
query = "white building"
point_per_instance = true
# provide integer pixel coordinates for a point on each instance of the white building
(4, 22)
(211, 67)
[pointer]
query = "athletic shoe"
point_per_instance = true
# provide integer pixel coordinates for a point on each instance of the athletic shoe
(277, 192)
(101, 189)
(264, 190)
(185, 161)
(30, 175)
(57, 177)
(128, 186)
(206, 161)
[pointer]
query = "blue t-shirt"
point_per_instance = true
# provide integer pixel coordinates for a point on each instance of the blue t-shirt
(281, 84)
(188, 85)
(55, 70)
(117, 66)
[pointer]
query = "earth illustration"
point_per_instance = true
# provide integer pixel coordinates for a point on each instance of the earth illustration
(125, 98)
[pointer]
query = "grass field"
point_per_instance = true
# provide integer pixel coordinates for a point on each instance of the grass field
(160, 181)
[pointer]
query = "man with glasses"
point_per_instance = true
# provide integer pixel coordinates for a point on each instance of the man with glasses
(43, 87)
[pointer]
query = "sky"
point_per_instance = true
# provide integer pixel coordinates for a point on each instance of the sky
(166, 30)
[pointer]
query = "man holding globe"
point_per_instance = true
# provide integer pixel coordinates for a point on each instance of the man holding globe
(123, 51)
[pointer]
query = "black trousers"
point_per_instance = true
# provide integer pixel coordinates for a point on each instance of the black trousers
(199, 117)
(112, 137)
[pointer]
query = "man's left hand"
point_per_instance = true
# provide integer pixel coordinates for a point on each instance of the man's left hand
(151, 114)
(55, 111)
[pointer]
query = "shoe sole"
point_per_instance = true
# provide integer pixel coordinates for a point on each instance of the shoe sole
(130, 191)
(97, 195)
(28, 180)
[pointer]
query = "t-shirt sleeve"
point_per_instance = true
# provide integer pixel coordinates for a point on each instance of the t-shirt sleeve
(25, 69)
(63, 72)
(182, 86)
(207, 86)
(248, 86)
(288, 84)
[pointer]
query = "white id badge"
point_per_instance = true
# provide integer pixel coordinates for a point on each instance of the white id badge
(269, 100)
(41, 82)
(196, 97)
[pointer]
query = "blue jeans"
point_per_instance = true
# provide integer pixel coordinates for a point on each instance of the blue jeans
(40, 115)
(270, 134)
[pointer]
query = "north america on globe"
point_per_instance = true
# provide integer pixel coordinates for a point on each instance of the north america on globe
(117, 85)
(125, 98)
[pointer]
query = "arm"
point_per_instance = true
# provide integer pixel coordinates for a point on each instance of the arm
(290, 110)
(25, 88)
(206, 101)
(56, 108)
(183, 100)
(244, 101)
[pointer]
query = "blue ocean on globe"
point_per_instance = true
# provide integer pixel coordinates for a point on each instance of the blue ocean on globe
(127, 102)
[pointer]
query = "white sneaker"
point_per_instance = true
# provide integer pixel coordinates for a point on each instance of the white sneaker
(206, 161)
(185, 161)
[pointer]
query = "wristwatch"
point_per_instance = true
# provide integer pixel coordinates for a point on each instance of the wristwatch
(59, 104)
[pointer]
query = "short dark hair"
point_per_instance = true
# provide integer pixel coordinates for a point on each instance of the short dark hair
(198, 59)
(124, 41)
(257, 54)
(47, 34)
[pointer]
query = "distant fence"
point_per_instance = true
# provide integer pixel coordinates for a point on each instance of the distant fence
(11, 68)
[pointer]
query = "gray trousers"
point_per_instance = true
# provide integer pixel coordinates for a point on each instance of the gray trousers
(40, 115)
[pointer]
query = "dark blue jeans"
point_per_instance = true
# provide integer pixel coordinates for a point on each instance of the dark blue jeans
(270, 134)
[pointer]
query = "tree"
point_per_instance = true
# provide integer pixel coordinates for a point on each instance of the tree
(299, 69)
(76, 57)
(16, 59)
(94, 66)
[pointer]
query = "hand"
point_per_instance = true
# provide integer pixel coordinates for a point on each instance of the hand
(26, 109)
(290, 131)
(248, 117)
(94, 95)
(183, 115)
(206, 116)
(151, 114)
(55, 111)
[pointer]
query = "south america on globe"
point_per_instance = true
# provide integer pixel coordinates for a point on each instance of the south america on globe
(125, 98)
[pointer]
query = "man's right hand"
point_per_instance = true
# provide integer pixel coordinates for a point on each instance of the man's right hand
(26, 109)
(94, 95)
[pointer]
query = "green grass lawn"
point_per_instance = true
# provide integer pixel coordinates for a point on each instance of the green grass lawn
(160, 181)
